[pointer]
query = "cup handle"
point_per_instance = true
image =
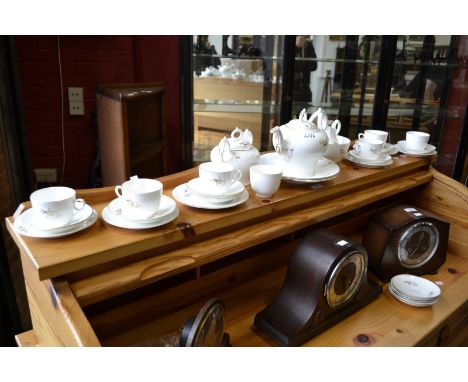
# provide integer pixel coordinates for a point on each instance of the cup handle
(236, 176)
(361, 136)
(336, 125)
(117, 189)
(80, 202)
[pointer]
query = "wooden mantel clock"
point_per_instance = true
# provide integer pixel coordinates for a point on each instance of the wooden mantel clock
(325, 282)
(405, 239)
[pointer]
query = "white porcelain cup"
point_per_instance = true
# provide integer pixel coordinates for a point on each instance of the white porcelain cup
(54, 206)
(140, 197)
(369, 149)
(218, 176)
(265, 179)
(416, 140)
(378, 135)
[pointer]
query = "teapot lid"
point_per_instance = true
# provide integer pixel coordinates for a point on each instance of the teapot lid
(240, 140)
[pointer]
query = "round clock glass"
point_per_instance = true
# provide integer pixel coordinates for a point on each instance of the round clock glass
(418, 244)
(345, 279)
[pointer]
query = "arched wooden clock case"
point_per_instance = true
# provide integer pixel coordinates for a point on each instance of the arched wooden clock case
(405, 239)
(326, 281)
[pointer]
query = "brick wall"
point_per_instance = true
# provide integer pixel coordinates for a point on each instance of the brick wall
(86, 62)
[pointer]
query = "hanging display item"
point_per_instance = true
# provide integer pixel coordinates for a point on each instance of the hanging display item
(405, 239)
(326, 281)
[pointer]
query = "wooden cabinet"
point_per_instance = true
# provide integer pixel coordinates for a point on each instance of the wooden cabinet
(132, 131)
(110, 286)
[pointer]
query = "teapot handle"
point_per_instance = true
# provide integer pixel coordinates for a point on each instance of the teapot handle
(321, 117)
(222, 148)
(239, 133)
(336, 125)
(278, 140)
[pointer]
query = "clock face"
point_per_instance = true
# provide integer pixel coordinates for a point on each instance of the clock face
(211, 328)
(345, 279)
(418, 244)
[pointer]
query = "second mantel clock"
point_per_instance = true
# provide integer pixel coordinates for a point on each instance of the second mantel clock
(325, 282)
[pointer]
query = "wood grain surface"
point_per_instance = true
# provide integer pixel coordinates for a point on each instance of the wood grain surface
(103, 243)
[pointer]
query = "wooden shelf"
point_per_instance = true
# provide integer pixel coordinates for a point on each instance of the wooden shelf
(103, 243)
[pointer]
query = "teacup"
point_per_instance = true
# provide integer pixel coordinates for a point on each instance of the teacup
(369, 149)
(54, 206)
(416, 140)
(141, 197)
(219, 177)
(265, 179)
(378, 135)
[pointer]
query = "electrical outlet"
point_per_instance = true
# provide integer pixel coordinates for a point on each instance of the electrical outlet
(76, 108)
(46, 175)
(75, 94)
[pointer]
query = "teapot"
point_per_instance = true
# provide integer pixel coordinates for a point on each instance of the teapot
(237, 151)
(301, 143)
(226, 70)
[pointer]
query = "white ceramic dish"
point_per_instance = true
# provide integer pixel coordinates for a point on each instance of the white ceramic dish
(383, 159)
(30, 231)
(367, 164)
(121, 222)
(182, 196)
(428, 151)
(28, 219)
(396, 293)
(166, 206)
(198, 187)
(415, 287)
(326, 169)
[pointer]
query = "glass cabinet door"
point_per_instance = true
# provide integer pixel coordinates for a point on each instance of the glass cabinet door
(338, 74)
(236, 83)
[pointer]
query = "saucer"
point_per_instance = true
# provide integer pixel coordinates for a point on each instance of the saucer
(179, 193)
(166, 207)
(416, 288)
(326, 169)
(383, 158)
(199, 188)
(429, 150)
(390, 149)
(29, 220)
(27, 230)
(365, 163)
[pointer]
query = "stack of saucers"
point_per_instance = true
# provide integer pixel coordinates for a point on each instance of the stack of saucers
(195, 193)
(383, 160)
(28, 224)
(414, 290)
(114, 214)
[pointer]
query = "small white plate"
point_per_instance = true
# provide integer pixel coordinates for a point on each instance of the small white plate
(181, 195)
(367, 164)
(121, 222)
(29, 220)
(382, 159)
(428, 151)
(412, 302)
(199, 188)
(166, 206)
(423, 300)
(390, 149)
(27, 230)
(326, 169)
(415, 287)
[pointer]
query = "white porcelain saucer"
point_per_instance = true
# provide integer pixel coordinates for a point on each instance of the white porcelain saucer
(390, 149)
(166, 206)
(411, 302)
(181, 195)
(382, 159)
(29, 220)
(326, 169)
(367, 164)
(26, 229)
(199, 188)
(429, 150)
